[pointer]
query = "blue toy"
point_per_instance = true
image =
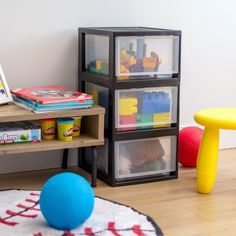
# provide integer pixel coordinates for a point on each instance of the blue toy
(66, 201)
(154, 102)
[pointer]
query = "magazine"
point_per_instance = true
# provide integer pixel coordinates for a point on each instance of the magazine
(51, 94)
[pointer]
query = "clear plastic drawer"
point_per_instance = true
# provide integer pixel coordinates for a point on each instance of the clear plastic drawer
(147, 56)
(145, 157)
(100, 96)
(145, 108)
(97, 54)
(102, 156)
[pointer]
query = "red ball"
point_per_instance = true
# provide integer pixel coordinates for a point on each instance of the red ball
(189, 142)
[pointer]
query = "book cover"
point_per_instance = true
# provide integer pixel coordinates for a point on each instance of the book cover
(51, 94)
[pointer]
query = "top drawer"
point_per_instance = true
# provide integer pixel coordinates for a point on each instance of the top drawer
(136, 57)
(147, 56)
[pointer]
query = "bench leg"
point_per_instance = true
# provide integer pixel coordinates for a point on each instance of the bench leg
(94, 167)
(65, 158)
(207, 160)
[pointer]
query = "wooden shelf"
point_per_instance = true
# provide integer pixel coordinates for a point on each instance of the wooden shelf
(92, 128)
(81, 141)
(11, 112)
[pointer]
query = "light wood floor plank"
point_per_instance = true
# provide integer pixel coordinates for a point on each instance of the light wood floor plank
(174, 204)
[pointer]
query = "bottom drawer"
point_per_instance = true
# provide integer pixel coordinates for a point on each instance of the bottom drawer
(145, 157)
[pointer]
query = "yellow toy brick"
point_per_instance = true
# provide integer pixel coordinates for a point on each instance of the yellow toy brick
(125, 57)
(99, 64)
(132, 60)
(123, 69)
(161, 118)
(128, 106)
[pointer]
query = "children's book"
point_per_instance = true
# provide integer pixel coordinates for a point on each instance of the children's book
(27, 104)
(53, 105)
(51, 94)
(43, 110)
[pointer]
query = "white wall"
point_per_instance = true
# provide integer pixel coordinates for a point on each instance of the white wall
(38, 46)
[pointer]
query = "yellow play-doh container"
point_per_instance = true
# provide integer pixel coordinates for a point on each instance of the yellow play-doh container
(48, 128)
(77, 125)
(65, 129)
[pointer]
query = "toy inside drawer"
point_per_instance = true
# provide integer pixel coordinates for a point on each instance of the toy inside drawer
(145, 157)
(145, 108)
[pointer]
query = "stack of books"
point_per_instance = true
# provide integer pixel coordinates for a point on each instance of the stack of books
(50, 98)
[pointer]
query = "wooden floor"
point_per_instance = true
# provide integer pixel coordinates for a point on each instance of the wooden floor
(174, 204)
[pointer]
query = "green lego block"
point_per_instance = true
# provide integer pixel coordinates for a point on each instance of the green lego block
(144, 118)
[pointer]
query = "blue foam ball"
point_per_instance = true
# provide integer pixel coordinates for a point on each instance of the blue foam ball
(66, 201)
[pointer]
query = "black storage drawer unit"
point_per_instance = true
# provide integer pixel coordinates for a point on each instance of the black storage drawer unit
(134, 72)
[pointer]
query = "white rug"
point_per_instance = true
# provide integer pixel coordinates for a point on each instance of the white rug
(20, 215)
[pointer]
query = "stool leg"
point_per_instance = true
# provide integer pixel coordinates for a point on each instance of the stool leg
(207, 160)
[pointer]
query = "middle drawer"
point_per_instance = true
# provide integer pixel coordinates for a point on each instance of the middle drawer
(145, 108)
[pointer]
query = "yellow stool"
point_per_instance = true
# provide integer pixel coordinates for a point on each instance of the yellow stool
(213, 119)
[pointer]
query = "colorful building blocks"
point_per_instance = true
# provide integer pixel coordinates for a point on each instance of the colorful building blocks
(154, 102)
(98, 67)
(158, 60)
(128, 106)
(149, 64)
(136, 68)
(123, 69)
(140, 48)
(127, 120)
(163, 118)
(137, 61)
(142, 119)
(126, 58)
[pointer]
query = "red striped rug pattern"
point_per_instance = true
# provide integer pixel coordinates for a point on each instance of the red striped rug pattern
(20, 215)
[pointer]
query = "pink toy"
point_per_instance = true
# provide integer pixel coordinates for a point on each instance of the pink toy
(126, 120)
(189, 142)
